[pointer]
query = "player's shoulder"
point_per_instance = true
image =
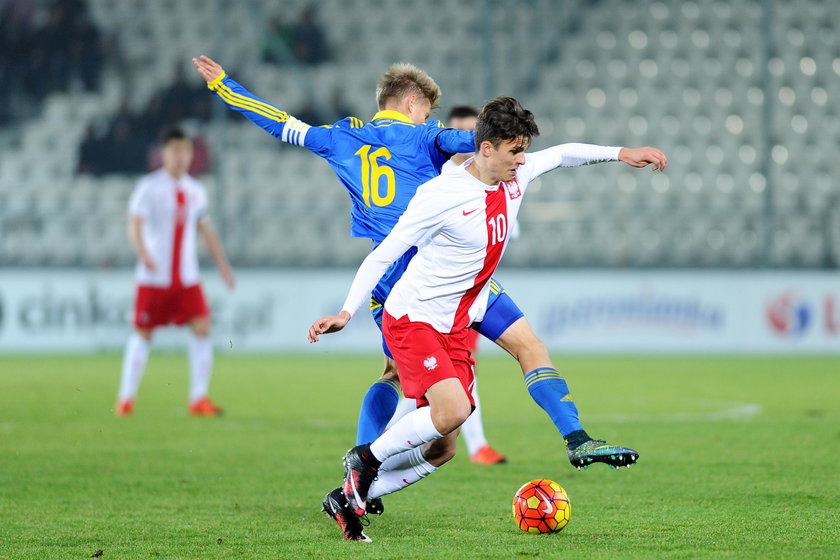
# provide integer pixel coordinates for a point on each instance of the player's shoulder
(150, 180)
(193, 182)
(434, 124)
(450, 180)
(347, 123)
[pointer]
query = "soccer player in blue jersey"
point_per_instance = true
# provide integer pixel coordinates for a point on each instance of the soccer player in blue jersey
(381, 163)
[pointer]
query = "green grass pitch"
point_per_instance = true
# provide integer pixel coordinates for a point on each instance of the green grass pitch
(738, 460)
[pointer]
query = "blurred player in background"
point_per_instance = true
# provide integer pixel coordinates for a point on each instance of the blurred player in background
(167, 208)
(459, 222)
(463, 117)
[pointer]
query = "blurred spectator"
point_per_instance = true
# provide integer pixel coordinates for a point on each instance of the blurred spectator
(309, 42)
(185, 100)
(277, 42)
(38, 60)
(131, 137)
(303, 41)
(87, 53)
(126, 151)
(93, 152)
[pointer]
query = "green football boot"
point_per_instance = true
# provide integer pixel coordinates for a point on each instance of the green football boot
(599, 451)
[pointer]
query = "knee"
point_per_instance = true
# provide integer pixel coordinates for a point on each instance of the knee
(201, 327)
(145, 334)
(449, 418)
(534, 344)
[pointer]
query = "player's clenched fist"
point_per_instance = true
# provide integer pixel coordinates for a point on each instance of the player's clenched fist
(207, 68)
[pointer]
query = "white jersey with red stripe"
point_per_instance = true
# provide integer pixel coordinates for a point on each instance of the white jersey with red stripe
(461, 228)
(170, 210)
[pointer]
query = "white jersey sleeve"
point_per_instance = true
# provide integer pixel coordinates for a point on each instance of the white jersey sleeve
(202, 210)
(568, 155)
(371, 270)
(140, 203)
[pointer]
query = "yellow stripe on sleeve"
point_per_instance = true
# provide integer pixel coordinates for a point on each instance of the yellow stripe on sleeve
(241, 101)
(265, 106)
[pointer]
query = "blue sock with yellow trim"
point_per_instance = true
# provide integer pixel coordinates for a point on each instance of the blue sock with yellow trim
(550, 391)
(378, 407)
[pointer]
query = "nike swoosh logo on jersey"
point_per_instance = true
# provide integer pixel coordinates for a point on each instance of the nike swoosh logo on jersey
(549, 507)
(470, 212)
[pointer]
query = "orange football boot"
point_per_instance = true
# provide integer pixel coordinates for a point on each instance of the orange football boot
(204, 407)
(486, 455)
(124, 408)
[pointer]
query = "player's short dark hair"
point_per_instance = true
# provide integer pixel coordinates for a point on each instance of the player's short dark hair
(504, 118)
(462, 112)
(173, 133)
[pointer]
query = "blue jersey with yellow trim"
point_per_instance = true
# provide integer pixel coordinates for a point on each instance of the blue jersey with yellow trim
(380, 163)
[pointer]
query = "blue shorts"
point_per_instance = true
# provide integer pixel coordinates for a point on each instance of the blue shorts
(501, 312)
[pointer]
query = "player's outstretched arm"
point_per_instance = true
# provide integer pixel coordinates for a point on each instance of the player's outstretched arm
(273, 120)
(642, 157)
(576, 154)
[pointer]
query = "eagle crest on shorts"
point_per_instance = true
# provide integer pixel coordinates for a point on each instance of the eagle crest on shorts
(430, 363)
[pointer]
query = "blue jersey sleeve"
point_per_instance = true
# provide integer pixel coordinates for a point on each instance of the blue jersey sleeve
(450, 141)
(273, 120)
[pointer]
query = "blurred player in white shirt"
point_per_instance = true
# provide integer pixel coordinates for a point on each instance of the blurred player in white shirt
(166, 211)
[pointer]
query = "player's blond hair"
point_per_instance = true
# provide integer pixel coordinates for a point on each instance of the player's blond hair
(403, 79)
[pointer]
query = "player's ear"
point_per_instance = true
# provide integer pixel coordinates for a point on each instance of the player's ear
(486, 148)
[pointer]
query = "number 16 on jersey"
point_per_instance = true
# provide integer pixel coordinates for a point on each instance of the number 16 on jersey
(372, 173)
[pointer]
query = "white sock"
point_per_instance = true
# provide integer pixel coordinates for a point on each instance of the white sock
(413, 430)
(134, 364)
(473, 428)
(201, 366)
(403, 407)
(400, 471)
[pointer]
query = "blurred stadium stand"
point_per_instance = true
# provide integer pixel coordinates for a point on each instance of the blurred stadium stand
(738, 94)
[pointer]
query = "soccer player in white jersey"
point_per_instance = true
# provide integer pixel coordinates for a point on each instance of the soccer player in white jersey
(459, 223)
(463, 117)
(167, 210)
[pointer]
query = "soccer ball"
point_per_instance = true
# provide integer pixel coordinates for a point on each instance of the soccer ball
(541, 506)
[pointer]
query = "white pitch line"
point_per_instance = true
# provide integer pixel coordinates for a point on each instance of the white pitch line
(734, 411)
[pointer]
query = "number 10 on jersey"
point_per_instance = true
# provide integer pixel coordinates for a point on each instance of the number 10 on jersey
(372, 172)
(498, 229)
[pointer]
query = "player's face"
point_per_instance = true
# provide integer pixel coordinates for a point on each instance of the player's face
(506, 159)
(177, 156)
(419, 110)
(463, 123)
